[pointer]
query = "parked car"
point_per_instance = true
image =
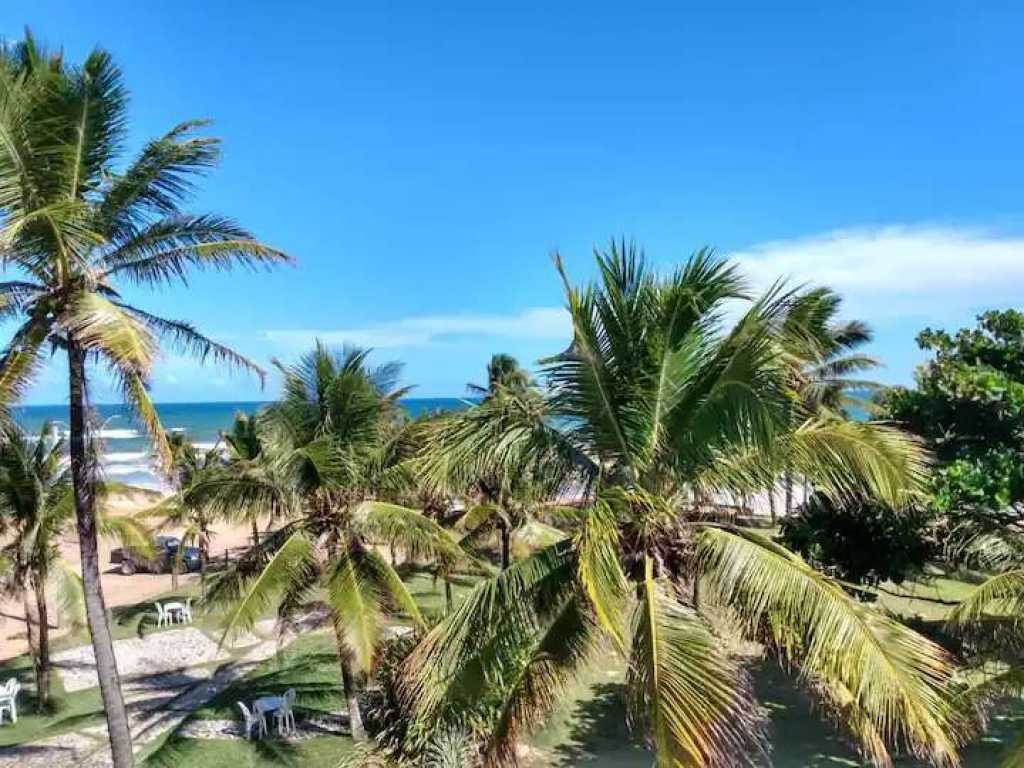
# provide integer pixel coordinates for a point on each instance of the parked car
(165, 550)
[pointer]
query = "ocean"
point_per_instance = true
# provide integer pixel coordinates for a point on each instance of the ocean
(128, 452)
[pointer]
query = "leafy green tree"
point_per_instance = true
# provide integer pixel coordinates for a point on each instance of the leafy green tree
(655, 404)
(864, 541)
(330, 453)
(968, 405)
(74, 227)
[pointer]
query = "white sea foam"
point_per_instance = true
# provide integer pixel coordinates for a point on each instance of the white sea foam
(118, 434)
(205, 446)
(125, 457)
(120, 470)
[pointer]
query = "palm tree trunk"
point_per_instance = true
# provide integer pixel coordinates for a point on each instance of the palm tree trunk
(348, 685)
(788, 482)
(771, 505)
(82, 481)
(43, 666)
(447, 596)
(255, 533)
(32, 635)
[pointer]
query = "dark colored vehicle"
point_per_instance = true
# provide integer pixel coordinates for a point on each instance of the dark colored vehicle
(165, 550)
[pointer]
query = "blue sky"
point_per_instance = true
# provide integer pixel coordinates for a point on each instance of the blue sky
(421, 163)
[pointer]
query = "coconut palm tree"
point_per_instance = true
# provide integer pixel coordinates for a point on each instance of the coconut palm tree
(36, 513)
(503, 372)
(73, 227)
(330, 457)
(188, 467)
(655, 405)
(829, 374)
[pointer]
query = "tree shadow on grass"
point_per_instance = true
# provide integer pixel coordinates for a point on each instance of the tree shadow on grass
(597, 733)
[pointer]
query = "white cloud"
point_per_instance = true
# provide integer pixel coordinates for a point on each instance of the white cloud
(549, 323)
(897, 270)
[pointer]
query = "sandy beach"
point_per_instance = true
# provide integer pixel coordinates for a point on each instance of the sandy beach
(117, 589)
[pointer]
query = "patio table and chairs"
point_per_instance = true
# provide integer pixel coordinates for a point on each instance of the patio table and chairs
(173, 612)
(9, 700)
(281, 707)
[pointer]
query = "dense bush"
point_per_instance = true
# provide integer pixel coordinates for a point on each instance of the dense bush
(865, 543)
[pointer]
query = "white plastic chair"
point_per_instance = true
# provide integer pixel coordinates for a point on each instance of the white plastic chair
(251, 719)
(178, 612)
(284, 716)
(9, 700)
(162, 616)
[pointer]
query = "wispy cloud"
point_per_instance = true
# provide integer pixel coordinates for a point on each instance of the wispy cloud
(896, 270)
(549, 323)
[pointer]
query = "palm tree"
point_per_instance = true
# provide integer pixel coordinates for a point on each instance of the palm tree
(828, 349)
(505, 499)
(331, 441)
(72, 226)
(656, 404)
(188, 468)
(244, 451)
(36, 512)
(503, 373)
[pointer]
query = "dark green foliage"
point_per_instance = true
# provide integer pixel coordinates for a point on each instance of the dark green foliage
(866, 543)
(968, 404)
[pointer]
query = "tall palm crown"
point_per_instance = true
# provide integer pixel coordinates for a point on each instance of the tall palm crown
(655, 403)
(830, 348)
(75, 226)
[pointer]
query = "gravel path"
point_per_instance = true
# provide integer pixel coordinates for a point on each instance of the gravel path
(152, 654)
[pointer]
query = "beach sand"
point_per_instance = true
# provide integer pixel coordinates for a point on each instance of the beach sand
(117, 589)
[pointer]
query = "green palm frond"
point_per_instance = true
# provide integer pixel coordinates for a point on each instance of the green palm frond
(70, 595)
(101, 326)
(894, 683)
(186, 339)
(450, 669)
(128, 531)
(136, 397)
(247, 599)
(849, 459)
(695, 701)
(599, 572)
(165, 250)
(356, 600)
(1003, 594)
(420, 537)
(552, 659)
(159, 180)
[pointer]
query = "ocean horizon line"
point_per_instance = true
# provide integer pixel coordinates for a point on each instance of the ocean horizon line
(467, 398)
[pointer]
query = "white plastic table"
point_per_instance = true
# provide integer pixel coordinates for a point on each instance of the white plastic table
(267, 704)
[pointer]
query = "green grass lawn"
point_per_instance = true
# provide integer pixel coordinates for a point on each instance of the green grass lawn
(589, 728)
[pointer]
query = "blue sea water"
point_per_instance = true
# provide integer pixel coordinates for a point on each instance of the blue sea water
(128, 452)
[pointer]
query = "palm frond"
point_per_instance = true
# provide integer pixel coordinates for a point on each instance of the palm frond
(694, 700)
(247, 599)
(896, 683)
(1003, 594)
